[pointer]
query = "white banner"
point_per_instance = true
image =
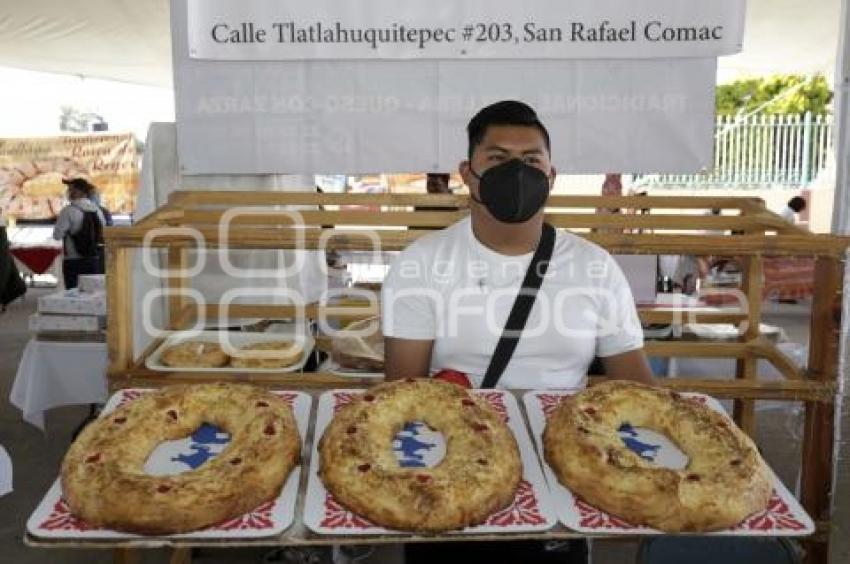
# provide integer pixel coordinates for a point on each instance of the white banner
(471, 29)
(366, 116)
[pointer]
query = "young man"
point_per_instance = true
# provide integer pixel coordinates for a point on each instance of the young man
(448, 295)
(80, 228)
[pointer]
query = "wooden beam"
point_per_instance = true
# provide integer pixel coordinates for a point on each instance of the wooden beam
(721, 386)
(398, 239)
(309, 197)
(126, 556)
(181, 555)
(311, 311)
(145, 378)
(119, 298)
(445, 218)
(746, 368)
(818, 428)
(697, 349)
(176, 283)
(768, 351)
(684, 315)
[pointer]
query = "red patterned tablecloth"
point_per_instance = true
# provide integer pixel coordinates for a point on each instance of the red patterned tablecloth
(37, 259)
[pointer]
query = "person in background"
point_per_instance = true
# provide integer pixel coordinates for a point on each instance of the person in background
(107, 215)
(80, 228)
(436, 183)
(794, 206)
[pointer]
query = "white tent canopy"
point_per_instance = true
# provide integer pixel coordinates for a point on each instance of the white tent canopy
(123, 40)
(130, 41)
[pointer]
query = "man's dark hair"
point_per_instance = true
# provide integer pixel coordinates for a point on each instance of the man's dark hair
(506, 112)
(797, 203)
(80, 184)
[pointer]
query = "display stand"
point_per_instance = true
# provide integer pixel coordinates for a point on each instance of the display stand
(668, 225)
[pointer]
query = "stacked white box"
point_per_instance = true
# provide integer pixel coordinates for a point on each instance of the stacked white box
(47, 323)
(73, 302)
(92, 283)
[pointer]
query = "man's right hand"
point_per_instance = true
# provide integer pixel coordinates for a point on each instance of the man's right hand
(406, 358)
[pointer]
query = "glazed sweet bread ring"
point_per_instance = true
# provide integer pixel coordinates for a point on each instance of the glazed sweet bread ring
(725, 479)
(103, 477)
(271, 354)
(478, 475)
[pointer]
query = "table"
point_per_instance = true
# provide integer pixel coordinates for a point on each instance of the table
(53, 374)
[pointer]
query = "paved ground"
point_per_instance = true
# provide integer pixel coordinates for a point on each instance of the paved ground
(37, 456)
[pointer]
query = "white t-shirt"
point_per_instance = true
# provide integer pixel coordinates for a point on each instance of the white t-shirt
(788, 214)
(449, 287)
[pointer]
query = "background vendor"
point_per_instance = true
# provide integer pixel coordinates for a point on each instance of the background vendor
(80, 228)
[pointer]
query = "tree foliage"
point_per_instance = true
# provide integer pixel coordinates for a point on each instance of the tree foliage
(782, 94)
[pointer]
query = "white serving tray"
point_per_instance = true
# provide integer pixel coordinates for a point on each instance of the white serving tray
(531, 510)
(333, 367)
(53, 520)
(236, 339)
(783, 517)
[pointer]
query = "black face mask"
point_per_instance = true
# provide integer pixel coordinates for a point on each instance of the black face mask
(512, 191)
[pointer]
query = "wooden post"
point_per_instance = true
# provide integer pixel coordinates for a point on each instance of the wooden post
(181, 555)
(126, 556)
(819, 432)
(747, 368)
(176, 283)
(119, 298)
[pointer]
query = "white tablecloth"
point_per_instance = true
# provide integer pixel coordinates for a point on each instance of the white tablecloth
(53, 374)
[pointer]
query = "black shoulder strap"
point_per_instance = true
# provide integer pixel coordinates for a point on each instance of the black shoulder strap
(521, 308)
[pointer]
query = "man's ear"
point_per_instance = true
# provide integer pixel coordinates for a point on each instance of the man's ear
(465, 172)
(552, 178)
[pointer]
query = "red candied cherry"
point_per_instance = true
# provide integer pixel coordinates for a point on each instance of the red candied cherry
(467, 402)
(235, 461)
(364, 467)
(269, 430)
(480, 427)
(172, 414)
(261, 404)
(93, 458)
(693, 478)
(589, 410)
(163, 488)
(482, 461)
(119, 420)
(423, 478)
(368, 397)
(351, 430)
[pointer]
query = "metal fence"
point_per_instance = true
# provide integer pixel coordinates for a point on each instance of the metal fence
(760, 150)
